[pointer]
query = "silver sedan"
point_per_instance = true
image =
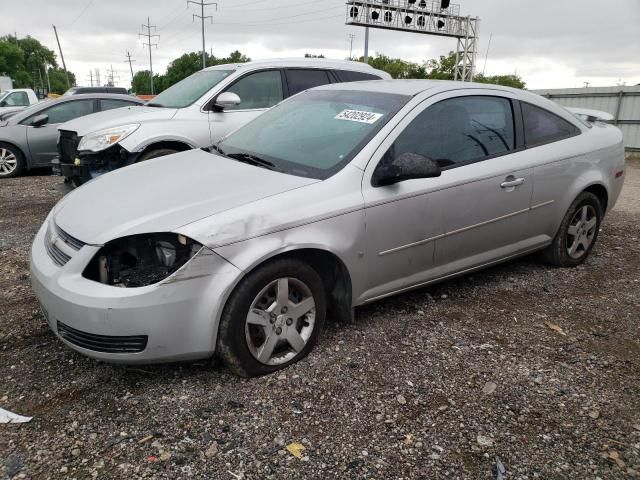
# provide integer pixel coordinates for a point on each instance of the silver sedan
(337, 197)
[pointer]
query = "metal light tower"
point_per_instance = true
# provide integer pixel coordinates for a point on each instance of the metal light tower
(428, 17)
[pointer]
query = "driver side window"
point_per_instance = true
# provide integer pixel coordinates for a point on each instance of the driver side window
(68, 111)
(458, 131)
(17, 99)
(257, 90)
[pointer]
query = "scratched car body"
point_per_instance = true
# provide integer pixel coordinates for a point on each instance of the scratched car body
(337, 197)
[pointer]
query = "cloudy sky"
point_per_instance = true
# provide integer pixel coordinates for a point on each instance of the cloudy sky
(550, 43)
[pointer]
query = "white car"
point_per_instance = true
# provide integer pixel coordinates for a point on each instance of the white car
(337, 197)
(196, 112)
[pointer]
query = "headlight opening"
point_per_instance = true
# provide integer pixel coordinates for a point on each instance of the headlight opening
(141, 260)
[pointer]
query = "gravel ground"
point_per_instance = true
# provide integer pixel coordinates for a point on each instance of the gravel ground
(431, 384)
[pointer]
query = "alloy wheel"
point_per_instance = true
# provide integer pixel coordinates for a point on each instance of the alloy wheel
(581, 231)
(280, 321)
(8, 162)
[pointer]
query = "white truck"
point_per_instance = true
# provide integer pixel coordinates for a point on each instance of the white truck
(17, 99)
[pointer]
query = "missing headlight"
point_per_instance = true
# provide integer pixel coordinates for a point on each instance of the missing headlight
(141, 260)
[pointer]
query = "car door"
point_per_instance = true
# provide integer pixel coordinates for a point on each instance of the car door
(258, 91)
(423, 229)
(43, 140)
(487, 180)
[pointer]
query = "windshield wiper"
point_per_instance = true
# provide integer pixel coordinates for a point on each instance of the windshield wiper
(251, 160)
(152, 104)
(217, 149)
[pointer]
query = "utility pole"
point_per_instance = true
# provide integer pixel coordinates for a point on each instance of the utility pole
(149, 36)
(366, 45)
(352, 36)
(202, 18)
(91, 77)
(97, 77)
(64, 65)
(130, 66)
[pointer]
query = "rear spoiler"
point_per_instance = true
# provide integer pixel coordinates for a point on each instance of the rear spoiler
(591, 115)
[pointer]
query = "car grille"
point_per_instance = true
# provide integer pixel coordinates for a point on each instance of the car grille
(102, 343)
(69, 240)
(68, 146)
(58, 256)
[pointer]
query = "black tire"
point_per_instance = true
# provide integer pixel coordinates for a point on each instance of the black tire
(232, 344)
(13, 153)
(558, 252)
(158, 152)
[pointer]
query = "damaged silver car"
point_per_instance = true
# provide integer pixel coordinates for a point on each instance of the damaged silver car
(337, 197)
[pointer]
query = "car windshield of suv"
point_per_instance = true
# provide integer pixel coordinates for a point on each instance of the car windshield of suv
(187, 91)
(314, 134)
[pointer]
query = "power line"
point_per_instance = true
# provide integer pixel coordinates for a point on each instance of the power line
(202, 18)
(149, 36)
(81, 13)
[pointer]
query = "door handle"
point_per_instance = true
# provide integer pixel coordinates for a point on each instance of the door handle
(511, 182)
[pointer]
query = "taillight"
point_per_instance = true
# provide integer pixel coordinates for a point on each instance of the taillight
(619, 174)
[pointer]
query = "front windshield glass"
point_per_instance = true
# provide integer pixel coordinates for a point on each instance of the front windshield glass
(314, 134)
(187, 91)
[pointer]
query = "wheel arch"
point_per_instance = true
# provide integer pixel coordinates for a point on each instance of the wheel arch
(329, 266)
(600, 191)
(178, 145)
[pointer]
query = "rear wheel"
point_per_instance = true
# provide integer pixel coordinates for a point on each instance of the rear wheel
(272, 319)
(11, 161)
(578, 232)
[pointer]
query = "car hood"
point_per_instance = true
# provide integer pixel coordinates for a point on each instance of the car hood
(163, 194)
(116, 117)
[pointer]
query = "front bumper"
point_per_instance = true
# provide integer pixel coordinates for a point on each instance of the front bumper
(85, 166)
(178, 316)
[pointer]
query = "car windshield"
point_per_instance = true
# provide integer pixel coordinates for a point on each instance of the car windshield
(187, 91)
(314, 134)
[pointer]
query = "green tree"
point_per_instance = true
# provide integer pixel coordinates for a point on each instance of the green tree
(506, 80)
(58, 81)
(141, 84)
(27, 61)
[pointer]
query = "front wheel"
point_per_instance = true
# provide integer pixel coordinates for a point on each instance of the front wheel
(11, 161)
(577, 233)
(272, 319)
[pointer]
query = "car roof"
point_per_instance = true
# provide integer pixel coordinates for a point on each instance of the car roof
(299, 62)
(413, 87)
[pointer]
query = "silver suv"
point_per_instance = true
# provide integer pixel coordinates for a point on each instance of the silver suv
(196, 112)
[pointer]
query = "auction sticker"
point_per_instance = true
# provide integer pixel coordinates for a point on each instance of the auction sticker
(358, 116)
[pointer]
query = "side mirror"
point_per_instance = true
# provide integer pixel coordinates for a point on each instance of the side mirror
(3, 103)
(226, 99)
(407, 166)
(40, 120)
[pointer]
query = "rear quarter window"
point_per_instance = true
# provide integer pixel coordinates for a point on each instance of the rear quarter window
(301, 79)
(541, 126)
(348, 76)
